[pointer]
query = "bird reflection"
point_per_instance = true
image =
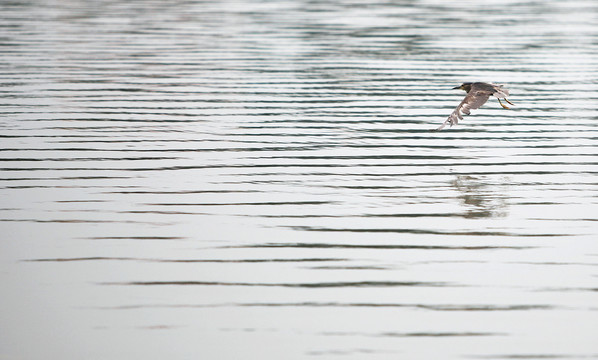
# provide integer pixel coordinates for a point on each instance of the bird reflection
(482, 197)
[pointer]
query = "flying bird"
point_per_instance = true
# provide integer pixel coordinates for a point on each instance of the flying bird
(477, 95)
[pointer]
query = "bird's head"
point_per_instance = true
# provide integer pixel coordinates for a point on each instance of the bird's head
(465, 86)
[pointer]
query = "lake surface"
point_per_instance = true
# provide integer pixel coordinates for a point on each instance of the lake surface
(258, 180)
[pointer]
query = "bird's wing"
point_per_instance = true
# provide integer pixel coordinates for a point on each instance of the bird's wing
(473, 100)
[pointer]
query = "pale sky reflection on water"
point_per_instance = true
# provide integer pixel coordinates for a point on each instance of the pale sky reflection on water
(259, 180)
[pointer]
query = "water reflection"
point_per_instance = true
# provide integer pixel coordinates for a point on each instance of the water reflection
(262, 174)
(481, 196)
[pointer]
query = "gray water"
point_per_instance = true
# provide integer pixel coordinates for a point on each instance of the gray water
(258, 180)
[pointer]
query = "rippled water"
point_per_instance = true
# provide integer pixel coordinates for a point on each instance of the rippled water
(258, 180)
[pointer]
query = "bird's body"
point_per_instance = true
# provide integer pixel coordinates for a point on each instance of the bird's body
(477, 95)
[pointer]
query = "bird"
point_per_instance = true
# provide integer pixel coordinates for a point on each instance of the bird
(477, 95)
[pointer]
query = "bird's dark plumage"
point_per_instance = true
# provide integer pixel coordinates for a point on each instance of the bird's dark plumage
(477, 95)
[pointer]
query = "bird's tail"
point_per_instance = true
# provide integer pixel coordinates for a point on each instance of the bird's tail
(500, 92)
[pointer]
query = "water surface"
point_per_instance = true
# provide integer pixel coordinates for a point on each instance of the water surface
(258, 179)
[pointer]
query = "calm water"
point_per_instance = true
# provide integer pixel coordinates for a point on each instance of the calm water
(258, 180)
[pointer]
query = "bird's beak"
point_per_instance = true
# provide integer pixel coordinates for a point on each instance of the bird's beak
(457, 87)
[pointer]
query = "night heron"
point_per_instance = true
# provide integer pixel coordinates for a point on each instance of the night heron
(477, 94)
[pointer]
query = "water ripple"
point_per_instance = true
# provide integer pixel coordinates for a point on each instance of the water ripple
(264, 173)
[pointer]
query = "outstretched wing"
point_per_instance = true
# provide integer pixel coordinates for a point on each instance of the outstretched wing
(473, 100)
